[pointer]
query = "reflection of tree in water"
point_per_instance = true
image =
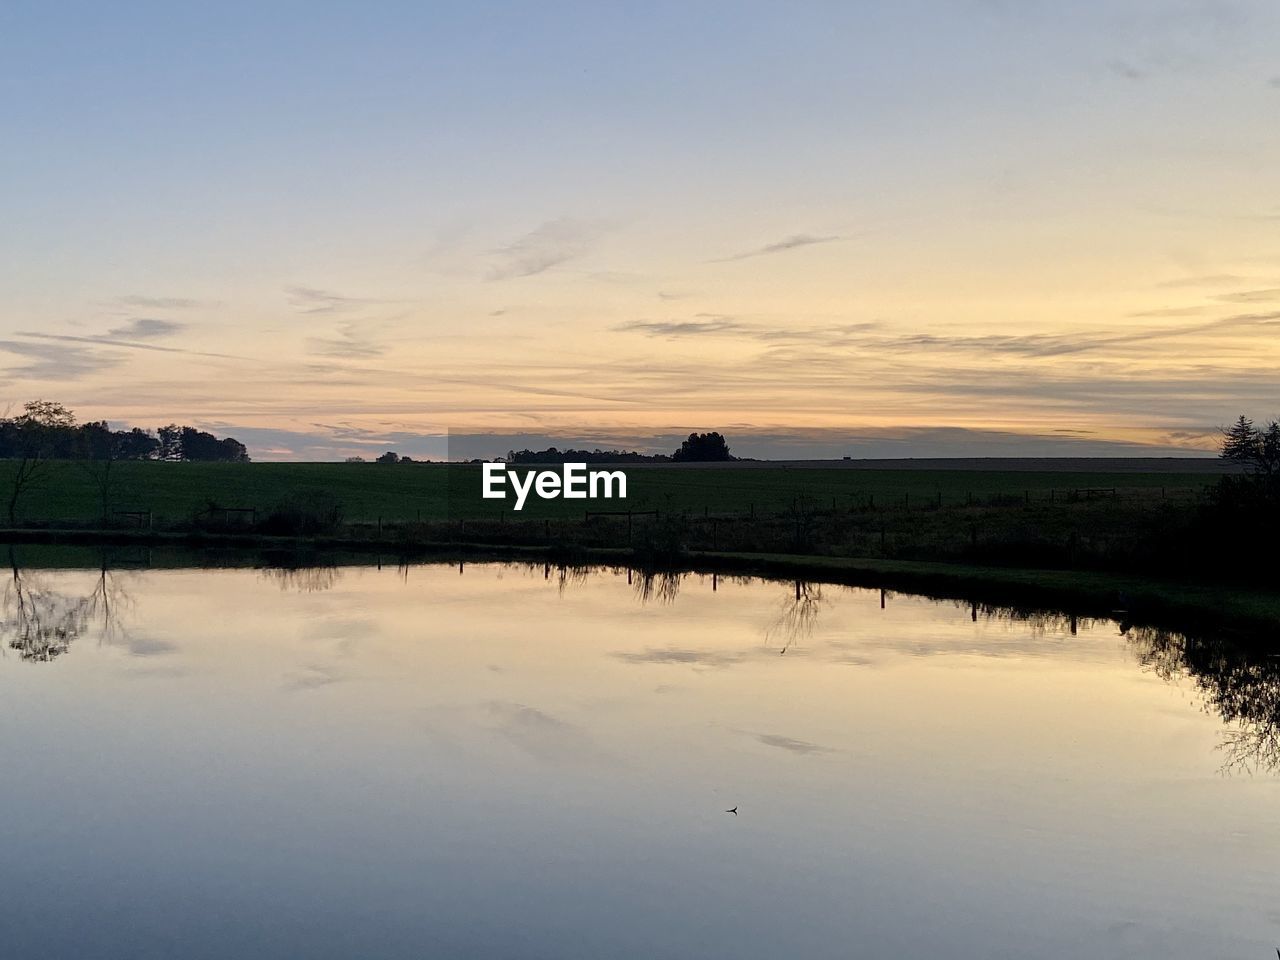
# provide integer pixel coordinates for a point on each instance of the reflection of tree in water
(660, 585)
(41, 622)
(799, 614)
(312, 579)
(1239, 684)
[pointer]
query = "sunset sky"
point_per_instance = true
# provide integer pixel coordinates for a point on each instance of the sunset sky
(959, 227)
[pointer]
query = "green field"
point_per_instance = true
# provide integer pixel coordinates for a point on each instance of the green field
(175, 492)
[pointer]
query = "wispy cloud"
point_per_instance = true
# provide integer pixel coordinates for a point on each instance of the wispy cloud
(140, 302)
(792, 242)
(350, 342)
(541, 735)
(715, 324)
(683, 328)
(143, 328)
(551, 244)
(311, 300)
(1169, 312)
(1251, 296)
(111, 341)
(57, 361)
(790, 744)
(1122, 68)
(686, 657)
(1204, 280)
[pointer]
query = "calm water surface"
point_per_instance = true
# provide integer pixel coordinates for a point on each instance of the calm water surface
(425, 762)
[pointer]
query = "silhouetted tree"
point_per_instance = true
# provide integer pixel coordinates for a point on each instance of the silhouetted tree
(389, 457)
(703, 447)
(137, 444)
(37, 435)
(170, 442)
(1257, 450)
(99, 449)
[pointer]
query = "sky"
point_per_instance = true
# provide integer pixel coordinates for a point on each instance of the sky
(910, 228)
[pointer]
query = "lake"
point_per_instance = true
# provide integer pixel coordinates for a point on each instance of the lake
(518, 762)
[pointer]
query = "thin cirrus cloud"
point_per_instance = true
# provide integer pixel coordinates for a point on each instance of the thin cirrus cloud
(145, 328)
(793, 242)
(47, 360)
(551, 244)
(311, 300)
(350, 342)
(141, 302)
(1251, 296)
(712, 324)
(684, 328)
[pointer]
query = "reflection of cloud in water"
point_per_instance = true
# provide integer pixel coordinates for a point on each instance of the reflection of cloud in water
(688, 657)
(313, 677)
(149, 646)
(541, 735)
(791, 744)
(339, 629)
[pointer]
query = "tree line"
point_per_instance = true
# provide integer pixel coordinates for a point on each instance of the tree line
(696, 448)
(51, 430)
(46, 431)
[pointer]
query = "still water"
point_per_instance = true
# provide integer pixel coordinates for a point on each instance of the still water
(508, 762)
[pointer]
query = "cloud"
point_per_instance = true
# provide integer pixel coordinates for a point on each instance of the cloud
(1124, 69)
(349, 342)
(109, 341)
(150, 647)
(160, 303)
(313, 677)
(1251, 296)
(1169, 312)
(786, 243)
(704, 324)
(1274, 83)
(553, 243)
(142, 328)
(1207, 280)
(541, 735)
(688, 657)
(790, 744)
(310, 300)
(683, 328)
(57, 361)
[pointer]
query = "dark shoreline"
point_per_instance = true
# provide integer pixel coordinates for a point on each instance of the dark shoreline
(1142, 601)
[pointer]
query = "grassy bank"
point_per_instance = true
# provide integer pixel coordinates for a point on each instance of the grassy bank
(176, 492)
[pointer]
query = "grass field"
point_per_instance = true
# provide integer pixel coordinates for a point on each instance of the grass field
(174, 492)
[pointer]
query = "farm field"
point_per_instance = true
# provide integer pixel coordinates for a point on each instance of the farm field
(177, 492)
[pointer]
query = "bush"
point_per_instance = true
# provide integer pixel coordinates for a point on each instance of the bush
(303, 516)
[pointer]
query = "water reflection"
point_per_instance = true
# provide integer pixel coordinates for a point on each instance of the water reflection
(306, 579)
(507, 760)
(798, 617)
(1241, 687)
(41, 622)
(1236, 680)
